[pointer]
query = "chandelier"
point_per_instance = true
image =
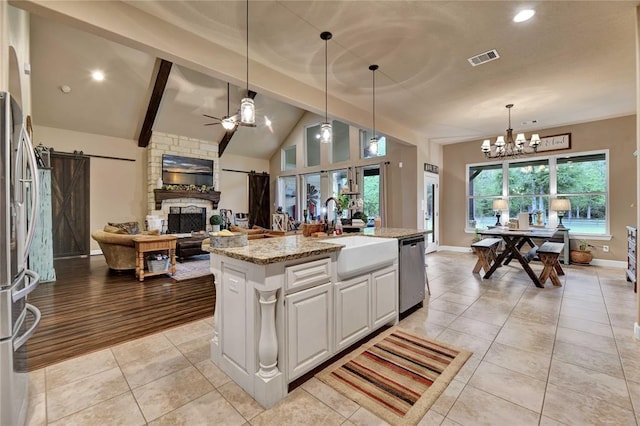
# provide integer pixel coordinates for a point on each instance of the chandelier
(510, 147)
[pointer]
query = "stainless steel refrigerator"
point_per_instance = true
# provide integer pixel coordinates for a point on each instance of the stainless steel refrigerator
(18, 319)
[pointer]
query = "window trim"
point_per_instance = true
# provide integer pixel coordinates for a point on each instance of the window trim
(553, 187)
(283, 158)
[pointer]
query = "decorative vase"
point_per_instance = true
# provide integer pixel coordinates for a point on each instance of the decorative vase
(581, 256)
(539, 219)
(216, 228)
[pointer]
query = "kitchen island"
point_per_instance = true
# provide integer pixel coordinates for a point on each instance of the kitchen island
(285, 305)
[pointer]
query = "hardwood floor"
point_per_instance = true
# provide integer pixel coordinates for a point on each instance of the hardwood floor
(89, 307)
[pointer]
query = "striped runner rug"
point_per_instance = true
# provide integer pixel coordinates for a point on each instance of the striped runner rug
(397, 375)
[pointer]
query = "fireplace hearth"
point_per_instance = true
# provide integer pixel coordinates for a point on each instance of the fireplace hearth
(186, 219)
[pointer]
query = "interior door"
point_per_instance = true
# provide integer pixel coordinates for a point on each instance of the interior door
(259, 200)
(431, 214)
(70, 204)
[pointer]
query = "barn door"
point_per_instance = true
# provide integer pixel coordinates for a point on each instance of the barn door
(259, 200)
(70, 204)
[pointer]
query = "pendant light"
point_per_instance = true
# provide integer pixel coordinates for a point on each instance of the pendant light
(326, 132)
(247, 107)
(373, 142)
(228, 122)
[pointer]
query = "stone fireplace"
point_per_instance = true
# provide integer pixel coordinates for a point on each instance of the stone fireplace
(162, 143)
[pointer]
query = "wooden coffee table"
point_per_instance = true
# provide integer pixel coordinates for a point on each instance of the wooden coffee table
(157, 244)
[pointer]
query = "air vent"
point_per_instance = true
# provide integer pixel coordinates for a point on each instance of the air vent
(482, 58)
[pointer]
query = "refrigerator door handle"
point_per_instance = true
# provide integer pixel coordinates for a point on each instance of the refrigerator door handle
(35, 190)
(17, 343)
(35, 280)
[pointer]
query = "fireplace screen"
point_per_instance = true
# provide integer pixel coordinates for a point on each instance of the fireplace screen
(186, 219)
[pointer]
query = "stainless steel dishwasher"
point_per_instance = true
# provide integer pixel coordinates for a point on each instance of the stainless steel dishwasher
(412, 272)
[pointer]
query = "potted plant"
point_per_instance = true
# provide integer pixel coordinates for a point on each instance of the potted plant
(582, 254)
(215, 221)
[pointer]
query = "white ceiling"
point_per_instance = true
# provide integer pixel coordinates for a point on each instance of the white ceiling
(573, 62)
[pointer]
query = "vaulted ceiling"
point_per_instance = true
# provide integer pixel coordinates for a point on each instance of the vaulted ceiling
(573, 62)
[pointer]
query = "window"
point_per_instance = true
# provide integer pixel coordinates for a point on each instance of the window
(313, 145)
(529, 188)
(311, 195)
(289, 158)
(340, 145)
(371, 191)
(364, 145)
(583, 180)
(288, 195)
(484, 186)
(529, 185)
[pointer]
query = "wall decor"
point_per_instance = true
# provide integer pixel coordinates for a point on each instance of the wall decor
(555, 142)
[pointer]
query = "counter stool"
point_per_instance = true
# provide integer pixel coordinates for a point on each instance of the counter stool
(549, 254)
(486, 250)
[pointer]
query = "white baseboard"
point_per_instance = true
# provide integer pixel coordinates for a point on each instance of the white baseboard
(95, 252)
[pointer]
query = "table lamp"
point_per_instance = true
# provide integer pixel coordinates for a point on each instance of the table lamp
(561, 205)
(498, 206)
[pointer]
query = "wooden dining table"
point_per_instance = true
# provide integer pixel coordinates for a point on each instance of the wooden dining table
(514, 239)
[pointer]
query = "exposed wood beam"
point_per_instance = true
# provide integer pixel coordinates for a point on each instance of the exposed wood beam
(226, 138)
(162, 77)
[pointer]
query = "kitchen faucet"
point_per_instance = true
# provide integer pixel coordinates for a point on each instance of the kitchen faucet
(326, 213)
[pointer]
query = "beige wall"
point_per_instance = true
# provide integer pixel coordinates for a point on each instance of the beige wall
(618, 135)
(401, 204)
(118, 188)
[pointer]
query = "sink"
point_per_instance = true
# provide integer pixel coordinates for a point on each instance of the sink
(364, 254)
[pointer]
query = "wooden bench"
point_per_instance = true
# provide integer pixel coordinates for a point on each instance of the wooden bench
(486, 250)
(549, 254)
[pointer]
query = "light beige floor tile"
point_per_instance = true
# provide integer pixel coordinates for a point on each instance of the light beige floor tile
(170, 392)
(448, 422)
(210, 409)
(533, 314)
(298, 408)
(532, 364)
(468, 369)
(458, 298)
(211, 371)
(591, 305)
(241, 401)
(509, 385)
(445, 401)
(198, 349)
(588, 358)
(576, 408)
(37, 381)
(528, 338)
(121, 410)
(431, 419)
(586, 325)
(585, 314)
(364, 417)
(476, 328)
(475, 407)
(142, 348)
(146, 370)
(421, 328)
(79, 368)
(590, 383)
(477, 345)
(37, 410)
(184, 333)
(328, 395)
(76, 396)
(448, 307)
(593, 341)
(443, 319)
(548, 421)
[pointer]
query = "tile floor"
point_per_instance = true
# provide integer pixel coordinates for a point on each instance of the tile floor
(541, 356)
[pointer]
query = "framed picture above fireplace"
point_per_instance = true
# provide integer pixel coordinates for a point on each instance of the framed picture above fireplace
(177, 170)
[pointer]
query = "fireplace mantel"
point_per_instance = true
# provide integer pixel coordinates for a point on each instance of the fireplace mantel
(164, 194)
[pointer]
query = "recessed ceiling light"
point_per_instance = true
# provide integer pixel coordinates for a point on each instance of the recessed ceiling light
(524, 15)
(97, 75)
(65, 89)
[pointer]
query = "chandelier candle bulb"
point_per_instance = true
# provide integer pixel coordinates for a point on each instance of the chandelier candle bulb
(508, 147)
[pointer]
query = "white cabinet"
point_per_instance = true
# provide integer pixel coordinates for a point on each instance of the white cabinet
(352, 307)
(384, 295)
(309, 326)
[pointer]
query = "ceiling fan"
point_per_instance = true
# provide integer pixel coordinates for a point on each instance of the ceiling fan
(229, 122)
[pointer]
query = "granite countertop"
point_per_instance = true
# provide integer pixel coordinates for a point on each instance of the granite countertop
(278, 249)
(392, 232)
